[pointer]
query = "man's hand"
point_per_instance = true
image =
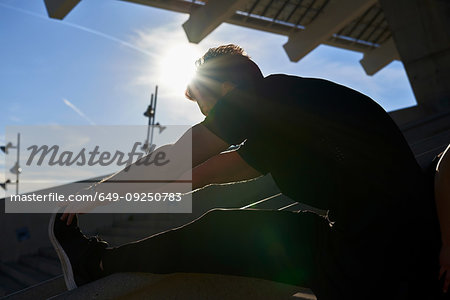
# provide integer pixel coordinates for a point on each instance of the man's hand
(223, 168)
(444, 261)
(69, 217)
(75, 208)
(80, 207)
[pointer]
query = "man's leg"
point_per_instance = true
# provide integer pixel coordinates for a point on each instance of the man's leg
(274, 245)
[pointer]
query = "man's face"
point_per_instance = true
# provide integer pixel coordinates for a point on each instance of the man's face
(205, 101)
(205, 108)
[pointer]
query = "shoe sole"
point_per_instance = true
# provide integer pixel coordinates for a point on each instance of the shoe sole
(65, 262)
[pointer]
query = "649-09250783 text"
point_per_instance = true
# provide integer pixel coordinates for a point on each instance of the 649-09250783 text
(102, 197)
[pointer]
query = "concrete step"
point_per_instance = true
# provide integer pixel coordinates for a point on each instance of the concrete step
(430, 142)
(8, 285)
(23, 274)
(3, 291)
(426, 149)
(184, 286)
(45, 265)
(48, 252)
(43, 290)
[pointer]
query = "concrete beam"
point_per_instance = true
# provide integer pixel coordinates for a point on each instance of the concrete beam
(335, 16)
(375, 60)
(421, 30)
(58, 9)
(248, 22)
(205, 19)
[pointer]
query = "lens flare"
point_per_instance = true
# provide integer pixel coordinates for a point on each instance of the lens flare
(177, 66)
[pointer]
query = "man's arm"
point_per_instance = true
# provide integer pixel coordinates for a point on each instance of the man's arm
(226, 167)
(195, 147)
(223, 168)
(198, 139)
(205, 144)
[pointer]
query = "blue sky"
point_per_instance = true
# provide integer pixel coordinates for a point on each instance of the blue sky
(100, 64)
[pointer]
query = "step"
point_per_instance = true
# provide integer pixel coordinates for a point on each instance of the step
(43, 290)
(184, 286)
(42, 264)
(115, 286)
(23, 274)
(48, 252)
(9, 285)
(440, 139)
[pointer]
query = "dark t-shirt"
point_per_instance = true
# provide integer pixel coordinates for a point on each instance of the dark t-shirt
(324, 144)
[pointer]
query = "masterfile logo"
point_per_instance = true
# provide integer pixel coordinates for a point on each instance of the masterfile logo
(94, 157)
(62, 165)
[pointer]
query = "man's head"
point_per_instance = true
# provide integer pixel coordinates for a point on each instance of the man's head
(219, 71)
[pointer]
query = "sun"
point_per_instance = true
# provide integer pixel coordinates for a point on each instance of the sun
(177, 66)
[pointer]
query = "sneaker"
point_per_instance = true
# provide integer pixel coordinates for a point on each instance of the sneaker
(79, 255)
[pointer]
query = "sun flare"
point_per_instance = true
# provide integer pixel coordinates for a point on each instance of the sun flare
(177, 66)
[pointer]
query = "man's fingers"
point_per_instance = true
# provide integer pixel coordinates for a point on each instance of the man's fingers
(70, 218)
(64, 216)
(67, 216)
(72, 210)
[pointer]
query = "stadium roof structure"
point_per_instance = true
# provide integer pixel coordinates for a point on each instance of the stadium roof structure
(357, 25)
(413, 31)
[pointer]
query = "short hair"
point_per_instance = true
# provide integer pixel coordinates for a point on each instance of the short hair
(224, 63)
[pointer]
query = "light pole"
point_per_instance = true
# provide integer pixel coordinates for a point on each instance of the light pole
(150, 114)
(16, 169)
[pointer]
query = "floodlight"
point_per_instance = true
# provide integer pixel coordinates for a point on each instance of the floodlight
(4, 184)
(5, 148)
(16, 169)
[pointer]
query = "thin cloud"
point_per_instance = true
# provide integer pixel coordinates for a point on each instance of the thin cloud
(78, 111)
(109, 37)
(85, 29)
(15, 119)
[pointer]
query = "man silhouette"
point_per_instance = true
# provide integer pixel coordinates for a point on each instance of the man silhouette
(325, 145)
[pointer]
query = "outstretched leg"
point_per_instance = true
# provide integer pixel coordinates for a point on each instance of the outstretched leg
(274, 245)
